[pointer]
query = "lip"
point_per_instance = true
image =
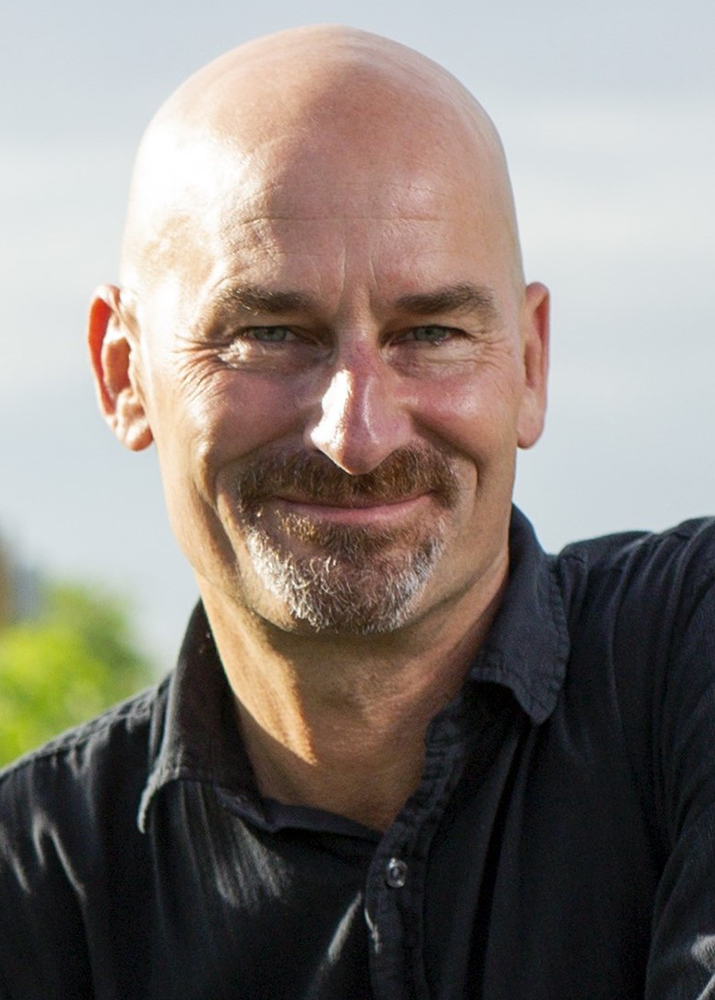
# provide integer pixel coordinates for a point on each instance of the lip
(361, 511)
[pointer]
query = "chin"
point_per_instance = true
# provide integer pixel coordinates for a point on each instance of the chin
(329, 594)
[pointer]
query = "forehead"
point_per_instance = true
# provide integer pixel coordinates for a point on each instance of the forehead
(259, 153)
(328, 210)
(308, 215)
(331, 211)
(357, 172)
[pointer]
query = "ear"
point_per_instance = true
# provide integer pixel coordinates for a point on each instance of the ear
(535, 347)
(112, 346)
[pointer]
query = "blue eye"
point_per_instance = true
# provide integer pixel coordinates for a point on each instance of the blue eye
(269, 334)
(431, 334)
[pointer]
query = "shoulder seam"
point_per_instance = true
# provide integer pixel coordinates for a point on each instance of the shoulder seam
(139, 706)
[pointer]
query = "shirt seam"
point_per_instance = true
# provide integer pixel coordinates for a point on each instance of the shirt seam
(140, 708)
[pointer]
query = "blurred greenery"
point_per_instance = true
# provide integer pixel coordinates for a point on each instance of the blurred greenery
(76, 658)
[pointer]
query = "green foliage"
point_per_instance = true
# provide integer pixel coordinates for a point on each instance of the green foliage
(64, 667)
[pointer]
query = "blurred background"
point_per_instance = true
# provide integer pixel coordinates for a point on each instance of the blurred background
(607, 112)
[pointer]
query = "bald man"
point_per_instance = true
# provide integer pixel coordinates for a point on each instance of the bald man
(404, 754)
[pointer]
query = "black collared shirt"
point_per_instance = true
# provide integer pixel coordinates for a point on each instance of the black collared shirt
(560, 846)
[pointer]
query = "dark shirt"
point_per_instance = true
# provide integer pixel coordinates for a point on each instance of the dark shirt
(560, 846)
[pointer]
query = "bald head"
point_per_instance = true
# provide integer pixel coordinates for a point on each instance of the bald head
(321, 260)
(314, 103)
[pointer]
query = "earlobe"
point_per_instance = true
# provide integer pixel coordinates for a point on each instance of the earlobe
(535, 345)
(112, 348)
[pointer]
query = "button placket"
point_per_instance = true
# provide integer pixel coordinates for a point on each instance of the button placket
(394, 918)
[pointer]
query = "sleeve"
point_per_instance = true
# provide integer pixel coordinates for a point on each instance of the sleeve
(682, 958)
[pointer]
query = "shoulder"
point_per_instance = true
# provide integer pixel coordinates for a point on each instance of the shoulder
(641, 613)
(69, 843)
(640, 609)
(122, 722)
(63, 781)
(659, 570)
(690, 539)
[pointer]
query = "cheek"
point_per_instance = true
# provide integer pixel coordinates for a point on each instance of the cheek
(246, 412)
(219, 422)
(477, 416)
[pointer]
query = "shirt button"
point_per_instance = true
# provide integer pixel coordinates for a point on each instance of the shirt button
(396, 873)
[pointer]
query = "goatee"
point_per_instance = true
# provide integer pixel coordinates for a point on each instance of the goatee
(358, 579)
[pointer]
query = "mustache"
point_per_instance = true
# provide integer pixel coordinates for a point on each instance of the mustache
(311, 477)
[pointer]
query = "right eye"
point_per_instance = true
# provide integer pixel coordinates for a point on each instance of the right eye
(268, 334)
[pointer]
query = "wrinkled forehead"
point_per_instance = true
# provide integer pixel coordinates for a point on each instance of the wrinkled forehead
(346, 183)
(219, 195)
(310, 223)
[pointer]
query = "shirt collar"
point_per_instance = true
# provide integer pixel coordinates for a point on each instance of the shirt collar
(527, 646)
(195, 735)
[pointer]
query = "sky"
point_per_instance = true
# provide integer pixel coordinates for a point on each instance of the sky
(607, 112)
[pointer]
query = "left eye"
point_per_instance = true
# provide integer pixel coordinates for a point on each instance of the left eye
(268, 334)
(431, 334)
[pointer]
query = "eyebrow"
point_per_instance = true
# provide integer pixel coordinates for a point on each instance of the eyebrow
(255, 299)
(460, 298)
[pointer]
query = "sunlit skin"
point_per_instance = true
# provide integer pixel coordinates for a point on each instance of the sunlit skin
(335, 272)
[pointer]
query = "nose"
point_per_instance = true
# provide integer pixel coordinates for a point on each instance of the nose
(362, 418)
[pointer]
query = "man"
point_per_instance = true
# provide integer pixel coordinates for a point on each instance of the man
(404, 754)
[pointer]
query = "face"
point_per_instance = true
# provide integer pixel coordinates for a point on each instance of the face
(337, 375)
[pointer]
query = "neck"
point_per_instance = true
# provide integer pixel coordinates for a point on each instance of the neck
(338, 722)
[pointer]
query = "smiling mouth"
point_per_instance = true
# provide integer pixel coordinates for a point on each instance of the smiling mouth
(359, 510)
(308, 494)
